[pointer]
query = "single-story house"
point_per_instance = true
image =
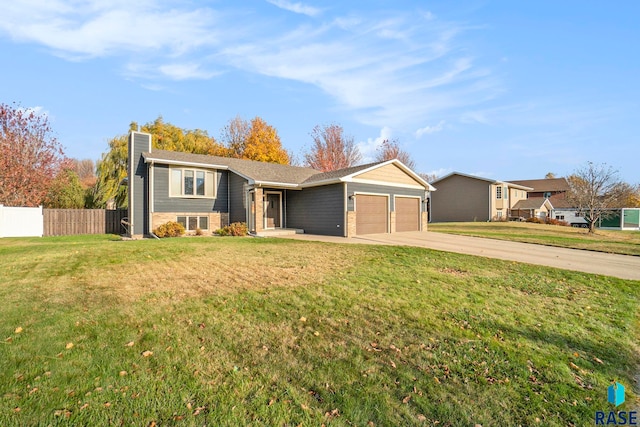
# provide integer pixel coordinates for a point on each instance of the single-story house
(208, 192)
(465, 198)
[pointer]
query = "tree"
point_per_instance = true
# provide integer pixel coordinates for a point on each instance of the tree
(550, 175)
(29, 156)
(235, 135)
(331, 149)
(263, 144)
(594, 190)
(66, 191)
(429, 177)
(389, 150)
(254, 140)
(86, 170)
(112, 168)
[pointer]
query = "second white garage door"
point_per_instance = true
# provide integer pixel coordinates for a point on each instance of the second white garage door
(371, 214)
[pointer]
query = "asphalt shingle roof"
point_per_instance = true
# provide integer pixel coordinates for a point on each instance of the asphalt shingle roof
(258, 171)
(549, 184)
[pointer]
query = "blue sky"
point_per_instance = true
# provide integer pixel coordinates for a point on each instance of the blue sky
(502, 89)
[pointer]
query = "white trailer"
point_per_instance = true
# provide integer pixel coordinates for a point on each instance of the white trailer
(571, 216)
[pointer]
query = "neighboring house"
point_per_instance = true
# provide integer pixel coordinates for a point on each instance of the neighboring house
(209, 192)
(461, 197)
(554, 189)
(534, 207)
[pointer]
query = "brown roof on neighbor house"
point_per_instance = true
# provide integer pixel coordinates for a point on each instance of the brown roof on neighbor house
(549, 184)
(531, 203)
(559, 201)
(257, 171)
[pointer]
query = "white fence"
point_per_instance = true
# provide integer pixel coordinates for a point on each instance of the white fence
(21, 222)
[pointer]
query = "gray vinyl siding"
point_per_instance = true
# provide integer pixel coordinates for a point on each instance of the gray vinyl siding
(138, 212)
(164, 203)
(317, 210)
(356, 187)
(460, 198)
(237, 198)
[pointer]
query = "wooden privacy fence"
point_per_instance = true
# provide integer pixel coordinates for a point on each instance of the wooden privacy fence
(65, 222)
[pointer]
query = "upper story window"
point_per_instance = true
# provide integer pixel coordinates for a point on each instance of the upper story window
(498, 192)
(506, 193)
(547, 194)
(186, 182)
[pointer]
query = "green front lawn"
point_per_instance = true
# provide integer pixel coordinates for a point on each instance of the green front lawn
(241, 331)
(612, 241)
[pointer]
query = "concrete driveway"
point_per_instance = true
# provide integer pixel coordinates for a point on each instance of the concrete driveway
(622, 266)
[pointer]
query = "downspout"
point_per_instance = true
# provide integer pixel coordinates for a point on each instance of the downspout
(490, 195)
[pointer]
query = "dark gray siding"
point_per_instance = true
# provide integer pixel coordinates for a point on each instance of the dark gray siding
(138, 210)
(164, 203)
(317, 210)
(356, 187)
(237, 198)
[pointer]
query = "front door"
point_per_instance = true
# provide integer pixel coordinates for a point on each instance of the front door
(272, 203)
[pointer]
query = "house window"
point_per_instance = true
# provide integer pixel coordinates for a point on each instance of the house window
(192, 183)
(498, 192)
(499, 214)
(506, 193)
(192, 223)
(546, 194)
(560, 217)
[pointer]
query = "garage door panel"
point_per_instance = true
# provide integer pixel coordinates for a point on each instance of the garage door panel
(407, 214)
(371, 214)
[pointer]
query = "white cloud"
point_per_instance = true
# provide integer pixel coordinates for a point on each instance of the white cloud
(369, 148)
(93, 28)
(430, 129)
(397, 69)
(186, 71)
(296, 7)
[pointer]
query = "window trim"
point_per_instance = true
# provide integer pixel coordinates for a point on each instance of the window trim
(210, 175)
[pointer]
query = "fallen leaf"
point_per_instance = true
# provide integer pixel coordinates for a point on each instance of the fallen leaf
(17, 409)
(421, 417)
(147, 353)
(406, 399)
(129, 344)
(436, 379)
(18, 330)
(85, 406)
(123, 373)
(69, 345)
(316, 333)
(392, 363)
(107, 404)
(598, 360)
(303, 319)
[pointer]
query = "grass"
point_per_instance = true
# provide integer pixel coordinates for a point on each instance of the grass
(611, 241)
(277, 332)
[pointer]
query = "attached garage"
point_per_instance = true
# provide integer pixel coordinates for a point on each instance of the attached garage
(372, 213)
(407, 213)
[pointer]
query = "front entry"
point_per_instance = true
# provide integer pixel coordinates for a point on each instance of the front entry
(272, 210)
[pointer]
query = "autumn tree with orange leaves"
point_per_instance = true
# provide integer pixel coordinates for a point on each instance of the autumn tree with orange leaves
(30, 156)
(254, 140)
(331, 149)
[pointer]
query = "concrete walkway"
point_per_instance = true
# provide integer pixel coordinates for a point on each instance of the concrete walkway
(622, 266)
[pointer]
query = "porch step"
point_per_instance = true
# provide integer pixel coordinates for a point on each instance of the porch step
(280, 232)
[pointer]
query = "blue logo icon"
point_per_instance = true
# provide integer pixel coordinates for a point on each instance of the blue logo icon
(615, 394)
